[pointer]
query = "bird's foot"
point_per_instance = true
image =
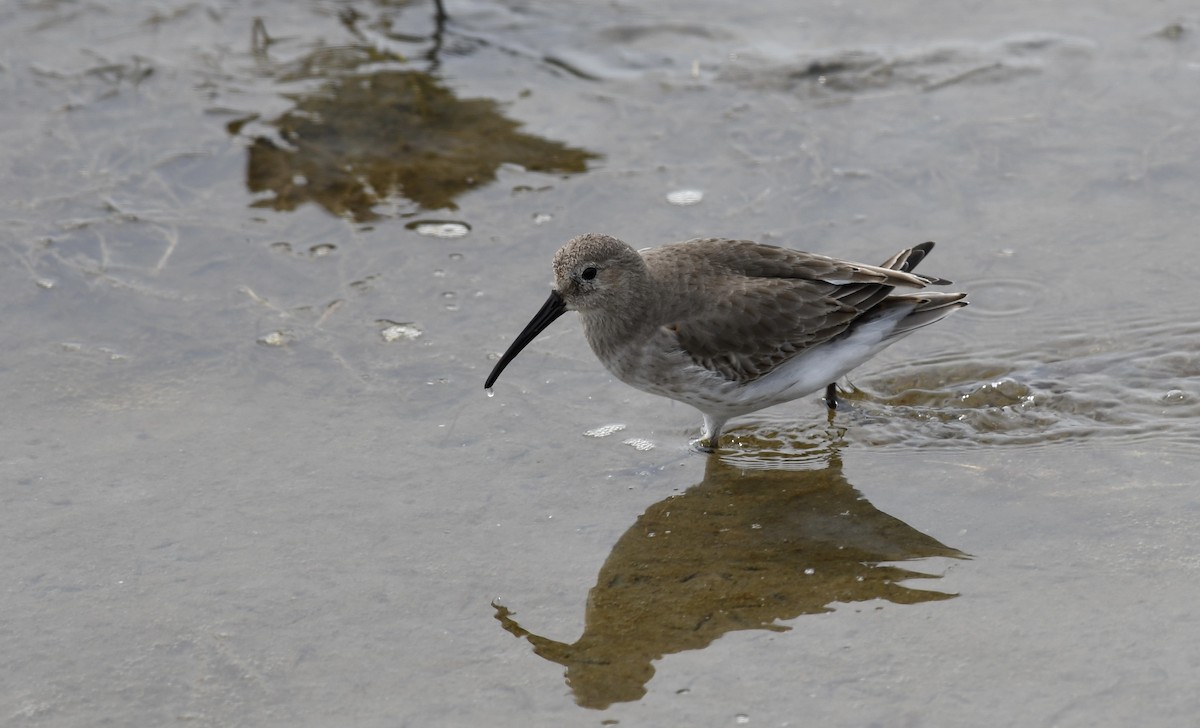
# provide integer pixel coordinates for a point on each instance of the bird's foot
(706, 445)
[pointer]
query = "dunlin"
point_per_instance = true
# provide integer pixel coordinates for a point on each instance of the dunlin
(731, 326)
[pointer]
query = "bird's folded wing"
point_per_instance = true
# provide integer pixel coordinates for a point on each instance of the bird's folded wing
(748, 331)
(756, 260)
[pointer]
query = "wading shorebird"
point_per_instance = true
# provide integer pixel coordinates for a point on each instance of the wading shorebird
(732, 326)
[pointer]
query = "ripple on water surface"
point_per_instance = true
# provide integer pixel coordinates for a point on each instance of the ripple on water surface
(1137, 383)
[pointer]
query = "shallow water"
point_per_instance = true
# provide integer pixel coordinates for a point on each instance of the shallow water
(260, 260)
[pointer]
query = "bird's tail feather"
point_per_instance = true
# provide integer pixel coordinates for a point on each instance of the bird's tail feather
(928, 308)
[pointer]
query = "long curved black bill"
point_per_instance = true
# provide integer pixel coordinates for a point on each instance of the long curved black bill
(551, 309)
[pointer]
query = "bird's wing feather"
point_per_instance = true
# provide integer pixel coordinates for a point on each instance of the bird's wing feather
(745, 333)
(772, 302)
(757, 260)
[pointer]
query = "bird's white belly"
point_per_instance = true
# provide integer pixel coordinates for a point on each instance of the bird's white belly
(672, 373)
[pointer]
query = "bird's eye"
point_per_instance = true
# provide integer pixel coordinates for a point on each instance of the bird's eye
(588, 273)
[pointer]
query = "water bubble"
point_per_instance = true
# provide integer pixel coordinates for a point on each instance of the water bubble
(685, 197)
(1175, 395)
(638, 443)
(810, 571)
(541, 218)
(276, 338)
(445, 229)
(604, 430)
(321, 250)
(741, 719)
(397, 331)
(1004, 392)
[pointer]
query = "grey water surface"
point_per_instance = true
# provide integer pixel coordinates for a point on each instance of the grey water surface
(259, 258)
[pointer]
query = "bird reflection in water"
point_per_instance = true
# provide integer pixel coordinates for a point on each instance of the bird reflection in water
(376, 127)
(743, 549)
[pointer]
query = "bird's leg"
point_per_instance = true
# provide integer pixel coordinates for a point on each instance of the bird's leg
(831, 400)
(712, 431)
